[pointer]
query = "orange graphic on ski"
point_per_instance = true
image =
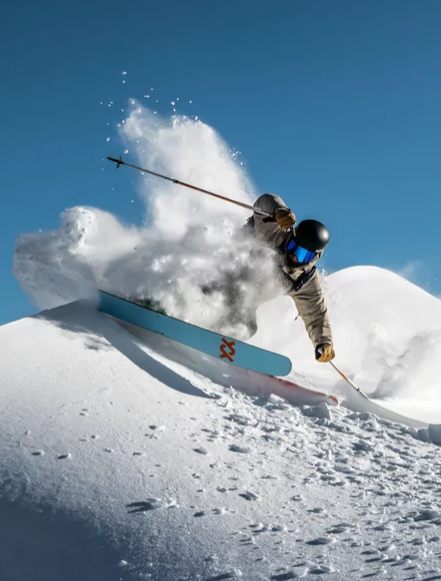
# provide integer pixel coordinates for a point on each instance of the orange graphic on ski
(232, 351)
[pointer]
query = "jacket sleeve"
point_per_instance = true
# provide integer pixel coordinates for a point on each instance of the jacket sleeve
(266, 228)
(269, 203)
(311, 306)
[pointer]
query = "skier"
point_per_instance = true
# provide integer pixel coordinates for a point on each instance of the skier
(298, 251)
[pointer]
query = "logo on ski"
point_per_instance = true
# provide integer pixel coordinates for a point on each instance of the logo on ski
(232, 350)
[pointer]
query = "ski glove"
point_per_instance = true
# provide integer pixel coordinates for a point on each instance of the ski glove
(324, 353)
(285, 218)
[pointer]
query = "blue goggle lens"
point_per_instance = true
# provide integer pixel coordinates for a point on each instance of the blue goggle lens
(303, 256)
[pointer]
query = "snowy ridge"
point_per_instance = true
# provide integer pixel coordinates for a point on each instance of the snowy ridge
(170, 476)
(387, 333)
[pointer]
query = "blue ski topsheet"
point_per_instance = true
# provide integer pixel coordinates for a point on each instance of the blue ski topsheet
(218, 346)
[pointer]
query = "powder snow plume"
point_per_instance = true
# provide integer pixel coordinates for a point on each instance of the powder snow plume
(192, 255)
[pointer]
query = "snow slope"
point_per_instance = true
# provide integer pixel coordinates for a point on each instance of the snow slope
(387, 334)
(134, 458)
(120, 464)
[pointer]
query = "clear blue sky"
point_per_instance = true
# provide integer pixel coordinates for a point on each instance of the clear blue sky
(335, 105)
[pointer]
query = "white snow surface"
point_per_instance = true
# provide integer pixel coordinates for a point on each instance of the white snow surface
(127, 456)
(119, 462)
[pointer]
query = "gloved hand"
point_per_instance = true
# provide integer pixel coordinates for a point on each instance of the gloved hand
(285, 218)
(324, 353)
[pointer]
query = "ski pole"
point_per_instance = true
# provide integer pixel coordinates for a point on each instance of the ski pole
(241, 204)
(346, 378)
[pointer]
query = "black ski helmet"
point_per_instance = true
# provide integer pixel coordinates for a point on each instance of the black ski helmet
(311, 234)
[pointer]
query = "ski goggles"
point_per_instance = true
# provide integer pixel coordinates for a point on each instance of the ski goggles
(303, 256)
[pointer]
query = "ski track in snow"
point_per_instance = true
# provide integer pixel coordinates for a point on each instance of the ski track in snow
(190, 480)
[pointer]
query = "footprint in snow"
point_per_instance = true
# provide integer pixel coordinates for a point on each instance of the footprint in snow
(211, 433)
(144, 506)
(279, 528)
(320, 570)
(201, 450)
(218, 510)
(239, 449)
(425, 515)
(259, 528)
(284, 576)
(321, 541)
(249, 495)
(151, 504)
(340, 528)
